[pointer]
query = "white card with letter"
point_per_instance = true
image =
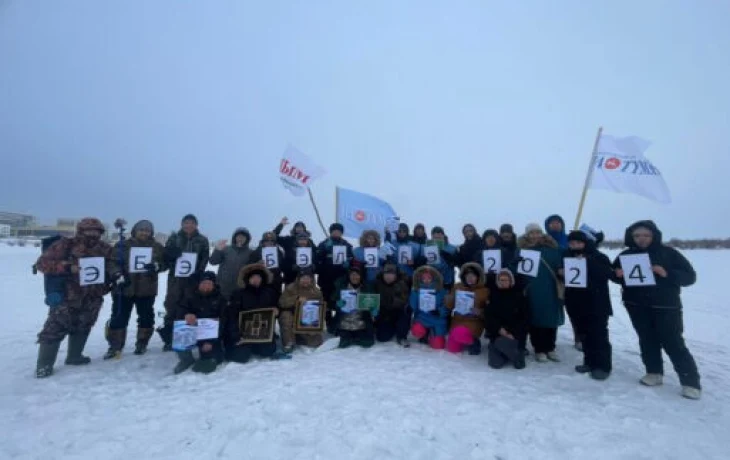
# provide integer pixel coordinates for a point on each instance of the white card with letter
(91, 271)
(464, 303)
(339, 254)
(405, 254)
(304, 257)
(427, 300)
(637, 270)
(185, 265)
(371, 257)
(575, 272)
(138, 258)
(208, 328)
(530, 263)
(270, 256)
(492, 260)
(433, 257)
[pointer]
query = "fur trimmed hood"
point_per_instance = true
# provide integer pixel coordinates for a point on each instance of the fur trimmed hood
(438, 280)
(248, 270)
(545, 240)
(367, 233)
(480, 274)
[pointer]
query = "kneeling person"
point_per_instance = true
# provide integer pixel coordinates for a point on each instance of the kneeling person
(507, 320)
(295, 294)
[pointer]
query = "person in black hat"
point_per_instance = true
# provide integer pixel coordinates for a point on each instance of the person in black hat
(297, 293)
(394, 318)
(354, 326)
(403, 247)
(508, 242)
(331, 266)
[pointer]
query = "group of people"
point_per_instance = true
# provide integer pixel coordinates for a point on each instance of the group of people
(443, 295)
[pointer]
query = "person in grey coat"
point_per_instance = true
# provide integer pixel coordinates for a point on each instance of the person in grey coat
(231, 259)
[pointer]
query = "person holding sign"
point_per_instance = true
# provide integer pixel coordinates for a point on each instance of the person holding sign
(493, 257)
(544, 291)
(204, 302)
(419, 234)
(301, 256)
(354, 326)
(144, 259)
(254, 291)
(85, 261)
(295, 295)
(394, 319)
(231, 258)
(186, 253)
(430, 312)
(652, 276)
(289, 243)
(333, 256)
(447, 257)
(268, 240)
(589, 302)
(507, 320)
(368, 256)
(407, 254)
(467, 301)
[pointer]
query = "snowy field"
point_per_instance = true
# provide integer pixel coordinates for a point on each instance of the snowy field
(383, 403)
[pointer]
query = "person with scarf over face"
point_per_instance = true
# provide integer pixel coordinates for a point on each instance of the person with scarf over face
(369, 239)
(329, 270)
(447, 257)
(543, 293)
(139, 292)
(394, 318)
(427, 300)
(402, 239)
(466, 328)
(255, 290)
(507, 320)
(590, 307)
(471, 248)
(204, 302)
(268, 240)
(297, 293)
(231, 259)
(354, 326)
(656, 310)
(78, 307)
(508, 242)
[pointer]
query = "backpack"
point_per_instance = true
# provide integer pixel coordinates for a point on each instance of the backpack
(54, 286)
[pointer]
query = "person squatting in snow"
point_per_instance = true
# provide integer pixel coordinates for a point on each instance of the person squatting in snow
(412, 275)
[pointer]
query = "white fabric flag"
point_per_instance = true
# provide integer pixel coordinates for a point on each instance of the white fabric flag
(621, 167)
(297, 171)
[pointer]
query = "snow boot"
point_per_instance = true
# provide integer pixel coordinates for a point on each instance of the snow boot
(541, 357)
(691, 393)
(582, 369)
(205, 366)
(186, 361)
(652, 380)
(47, 353)
(165, 333)
(404, 343)
(76, 344)
(553, 356)
(143, 339)
(519, 362)
(599, 374)
(116, 339)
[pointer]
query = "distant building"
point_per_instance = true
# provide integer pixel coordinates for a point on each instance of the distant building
(4, 231)
(16, 220)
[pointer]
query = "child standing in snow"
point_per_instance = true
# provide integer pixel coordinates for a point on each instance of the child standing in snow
(430, 312)
(507, 320)
(467, 300)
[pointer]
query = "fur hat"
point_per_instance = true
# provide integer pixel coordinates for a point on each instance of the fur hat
(337, 226)
(508, 272)
(90, 223)
(533, 227)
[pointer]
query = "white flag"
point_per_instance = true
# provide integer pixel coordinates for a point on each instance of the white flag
(621, 166)
(297, 171)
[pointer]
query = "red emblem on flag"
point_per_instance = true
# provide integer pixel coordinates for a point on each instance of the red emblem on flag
(612, 163)
(360, 216)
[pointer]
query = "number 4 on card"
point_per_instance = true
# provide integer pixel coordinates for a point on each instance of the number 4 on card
(637, 270)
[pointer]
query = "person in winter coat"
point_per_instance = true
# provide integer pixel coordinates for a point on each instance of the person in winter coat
(508, 242)
(203, 302)
(419, 234)
(656, 311)
(543, 293)
(231, 259)
(294, 262)
(140, 291)
(555, 227)
(329, 269)
(507, 320)
(492, 241)
(369, 239)
(354, 326)
(302, 290)
(427, 301)
(394, 319)
(76, 314)
(447, 257)
(289, 244)
(187, 240)
(268, 240)
(255, 291)
(590, 307)
(467, 328)
(406, 265)
(471, 248)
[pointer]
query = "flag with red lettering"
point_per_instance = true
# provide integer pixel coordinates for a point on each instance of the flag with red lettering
(620, 166)
(297, 171)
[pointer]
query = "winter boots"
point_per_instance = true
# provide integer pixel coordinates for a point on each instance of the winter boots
(186, 361)
(143, 339)
(165, 333)
(76, 344)
(116, 339)
(652, 380)
(47, 353)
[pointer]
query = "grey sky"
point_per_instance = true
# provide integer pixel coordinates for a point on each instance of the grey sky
(454, 112)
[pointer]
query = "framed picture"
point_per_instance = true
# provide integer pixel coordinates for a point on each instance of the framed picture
(309, 317)
(257, 326)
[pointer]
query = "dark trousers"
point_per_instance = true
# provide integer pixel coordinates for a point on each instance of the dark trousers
(215, 353)
(244, 353)
(576, 321)
(596, 344)
(393, 324)
(543, 338)
(122, 311)
(661, 328)
(503, 350)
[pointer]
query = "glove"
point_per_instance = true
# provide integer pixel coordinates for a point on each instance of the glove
(152, 268)
(118, 279)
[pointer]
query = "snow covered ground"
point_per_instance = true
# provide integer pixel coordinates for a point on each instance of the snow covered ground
(382, 403)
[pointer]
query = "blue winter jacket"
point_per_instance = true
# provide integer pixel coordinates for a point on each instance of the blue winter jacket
(560, 237)
(436, 320)
(416, 254)
(446, 264)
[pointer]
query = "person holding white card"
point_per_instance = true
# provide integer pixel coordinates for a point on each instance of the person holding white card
(544, 292)
(333, 256)
(268, 240)
(447, 256)
(204, 302)
(654, 305)
(297, 293)
(301, 255)
(427, 300)
(354, 326)
(493, 257)
(394, 319)
(467, 301)
(407, 254)
(589, 304)
(186, 253)
(83, 295)
(143, 259)
(367, 257)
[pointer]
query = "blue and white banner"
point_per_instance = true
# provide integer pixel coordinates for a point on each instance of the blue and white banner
(359, 212)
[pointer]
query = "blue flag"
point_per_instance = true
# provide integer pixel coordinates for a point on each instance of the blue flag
(358, 212)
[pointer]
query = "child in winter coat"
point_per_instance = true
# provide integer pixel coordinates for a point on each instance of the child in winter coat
(297, 293)
(354, 326)
(467, 301)
(205, 302)
(394, 319)
(430, 312)
(507, 320)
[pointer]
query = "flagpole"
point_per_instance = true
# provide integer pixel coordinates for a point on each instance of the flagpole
(316, 211)
(337, 205)
(589, 175)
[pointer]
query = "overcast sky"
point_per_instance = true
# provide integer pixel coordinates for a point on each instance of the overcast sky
(454, 112)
